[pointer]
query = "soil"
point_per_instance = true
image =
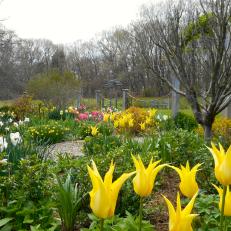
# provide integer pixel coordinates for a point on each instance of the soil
(159, 212)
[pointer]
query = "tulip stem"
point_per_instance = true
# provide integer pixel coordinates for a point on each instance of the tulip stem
(223, 208)
(140, 212)
(101, 224)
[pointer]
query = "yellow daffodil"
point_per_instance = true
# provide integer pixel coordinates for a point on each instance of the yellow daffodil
(222, 164)
(227, 210)
(105, 192)
(142, 126)
(188, 184)
(180, 220)
(143, 182)
(106, 117)
(94, 130)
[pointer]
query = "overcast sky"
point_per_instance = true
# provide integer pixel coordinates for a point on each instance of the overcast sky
(65, 21)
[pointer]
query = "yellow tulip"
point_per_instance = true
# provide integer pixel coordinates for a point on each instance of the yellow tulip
(122, 122)
(94, 130)
(142, 126)
(227, 210)
(131, 123)
(180, 220)
(152, 112)
(106, 117)
(188, 184)
(222, 164)
(148, 120)
(143, 182)
(116, 123)
(104, 194)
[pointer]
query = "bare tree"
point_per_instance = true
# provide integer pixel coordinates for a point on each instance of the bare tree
(191, 40)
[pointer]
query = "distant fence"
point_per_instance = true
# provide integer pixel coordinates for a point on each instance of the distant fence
(164, 102)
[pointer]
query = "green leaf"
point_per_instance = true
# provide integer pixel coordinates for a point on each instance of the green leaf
(5, 221)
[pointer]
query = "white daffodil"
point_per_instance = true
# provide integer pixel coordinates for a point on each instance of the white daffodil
(27, 120)
(15, 124)
(20, 122)
(165, 117)
(7, 129)
(3, 144)
(3, 162)
(10, 120)
(15, 138)
(1, 123)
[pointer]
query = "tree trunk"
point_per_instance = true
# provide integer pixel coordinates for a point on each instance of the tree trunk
(207, 133)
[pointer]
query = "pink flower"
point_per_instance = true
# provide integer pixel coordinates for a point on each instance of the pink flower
(83, 116)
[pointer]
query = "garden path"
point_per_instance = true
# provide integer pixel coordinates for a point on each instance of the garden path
(71, 147)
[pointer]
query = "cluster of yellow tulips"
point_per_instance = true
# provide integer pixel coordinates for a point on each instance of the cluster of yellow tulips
(103, 196)
(128, 120)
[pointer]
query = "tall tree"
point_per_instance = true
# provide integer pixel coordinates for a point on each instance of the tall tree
(191, 40)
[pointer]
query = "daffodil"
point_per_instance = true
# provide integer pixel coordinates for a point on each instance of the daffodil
(180, 219)
(222, 164)
(94, 130)
(144, 180)
(227, 207)
(188, 184)
(104, 194)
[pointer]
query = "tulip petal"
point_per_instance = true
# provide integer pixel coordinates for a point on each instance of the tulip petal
(187, 210)
(109, 176)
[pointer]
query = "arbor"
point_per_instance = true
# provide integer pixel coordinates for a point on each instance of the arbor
(191, 40)
(54, 86)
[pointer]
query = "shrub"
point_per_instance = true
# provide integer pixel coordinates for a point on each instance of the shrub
(133, 120)
(100, 144)
(185, 121)
(52, 132)
(54, 86)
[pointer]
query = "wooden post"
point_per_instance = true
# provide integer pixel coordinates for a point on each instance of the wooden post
(227, 111)
(102, 101)
(125, 99)
(97, 97)
(175, 97)
(78, 99)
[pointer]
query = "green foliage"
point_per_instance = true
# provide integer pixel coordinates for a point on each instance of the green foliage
(209, 215)
(26, 196)
(68, 202)
(194, 30)
(54, 86)
(51, 132)
(100, 144)
(128, 223)
(185, 121)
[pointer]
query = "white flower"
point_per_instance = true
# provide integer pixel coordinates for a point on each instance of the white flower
(3, 161)
(165, 117)
(3, 144)
(1, 123)
(20, 122)
(66, 111)
(15, 124)
(61, 112)
(7, 129)
(10, 120)
(27, 120)
(15, 138)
